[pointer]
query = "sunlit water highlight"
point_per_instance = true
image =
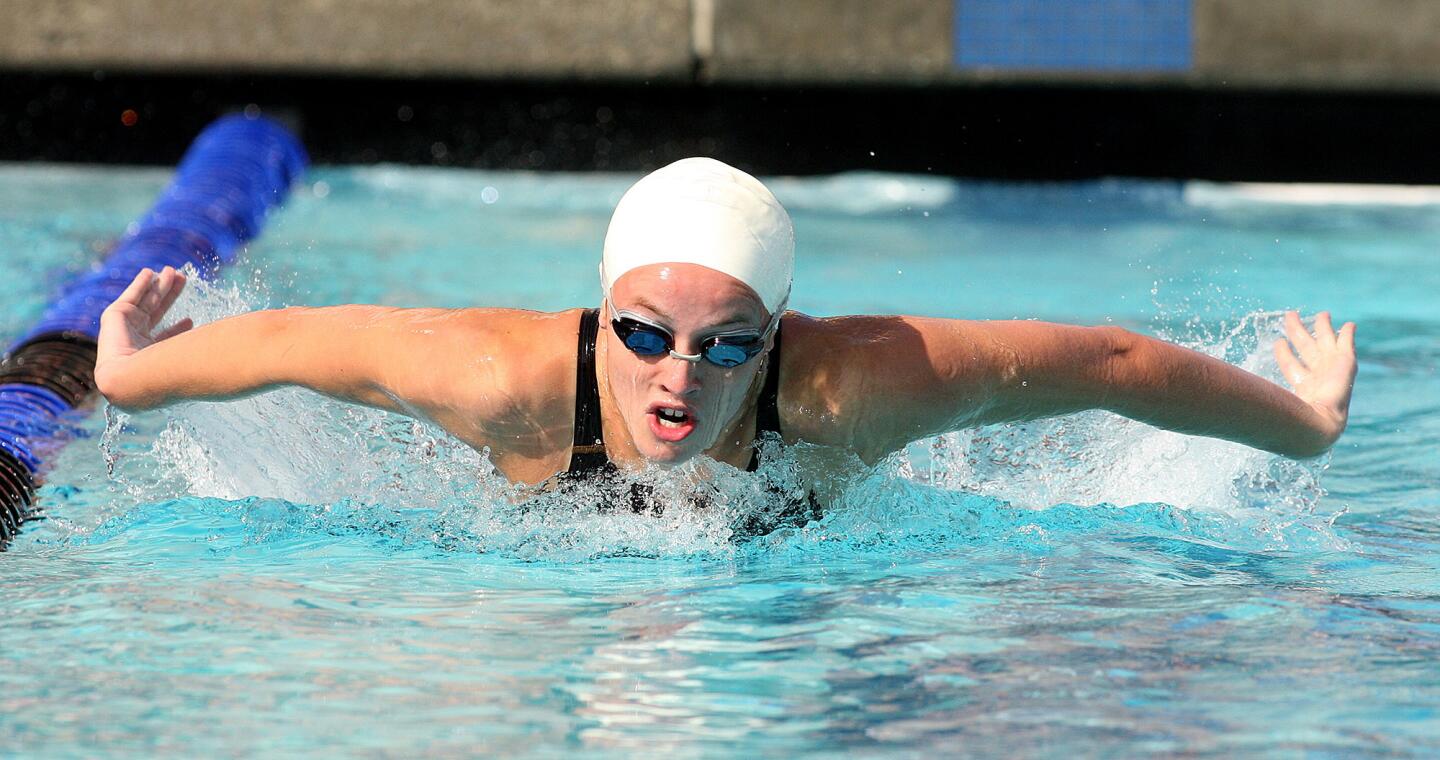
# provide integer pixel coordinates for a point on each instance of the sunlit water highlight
(286, 573)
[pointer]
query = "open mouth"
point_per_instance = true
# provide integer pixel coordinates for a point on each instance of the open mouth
(670, 423)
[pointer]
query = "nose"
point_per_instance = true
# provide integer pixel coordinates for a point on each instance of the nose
(680, 375)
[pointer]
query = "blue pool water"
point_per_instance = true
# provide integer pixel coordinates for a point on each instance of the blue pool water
(285, 574)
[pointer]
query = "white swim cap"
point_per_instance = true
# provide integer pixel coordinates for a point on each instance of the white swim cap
(702, 211)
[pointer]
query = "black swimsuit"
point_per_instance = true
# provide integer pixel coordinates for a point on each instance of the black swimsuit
(588, 457)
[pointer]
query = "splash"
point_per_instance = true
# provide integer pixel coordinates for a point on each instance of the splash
(1104, 459)
(292, 461)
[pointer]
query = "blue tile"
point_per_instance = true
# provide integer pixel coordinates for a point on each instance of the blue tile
(1103, 35)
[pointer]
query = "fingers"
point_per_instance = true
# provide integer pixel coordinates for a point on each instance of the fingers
(138, 287)
(170, 288)
(146, 299)
(1290, 367)
(1300, 338)
(164, 288)
(1346, 340)
(175, 329)
(1324, 332)
(159, 285)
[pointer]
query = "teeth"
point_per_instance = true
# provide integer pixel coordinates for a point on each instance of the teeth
(670, 417)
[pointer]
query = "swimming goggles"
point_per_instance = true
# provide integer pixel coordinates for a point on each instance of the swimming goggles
(726, 349)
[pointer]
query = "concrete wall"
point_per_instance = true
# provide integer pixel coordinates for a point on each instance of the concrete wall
(485, 38)
(1318, 43)
(830, 40)
(1360, 44)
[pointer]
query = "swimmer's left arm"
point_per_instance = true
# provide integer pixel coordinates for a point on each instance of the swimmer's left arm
(920, 377)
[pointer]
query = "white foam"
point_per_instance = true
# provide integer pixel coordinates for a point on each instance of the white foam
(303, 448)
(1102, 458)
(1213, 194)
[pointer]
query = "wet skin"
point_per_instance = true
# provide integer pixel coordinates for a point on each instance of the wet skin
(693, 302)
(860, 386)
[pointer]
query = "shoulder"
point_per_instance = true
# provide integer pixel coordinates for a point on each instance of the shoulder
(843, 377)
(511, 345)
(528, 357)
(503, 378)
(837, 353)
(825, 366)
(539, 329)
(873, 383)
(830, 350)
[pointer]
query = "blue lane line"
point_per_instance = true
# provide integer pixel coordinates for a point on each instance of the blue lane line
(236, 171)
(232, 175)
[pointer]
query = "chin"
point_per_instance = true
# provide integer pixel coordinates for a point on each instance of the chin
(660, 449)
(667, 454)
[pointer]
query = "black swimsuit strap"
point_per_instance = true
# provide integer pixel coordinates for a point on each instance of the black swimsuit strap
(767, 407)
(588, 452)
(588, 447)
(767, 411)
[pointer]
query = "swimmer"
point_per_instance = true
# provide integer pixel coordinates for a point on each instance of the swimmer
(692, 353)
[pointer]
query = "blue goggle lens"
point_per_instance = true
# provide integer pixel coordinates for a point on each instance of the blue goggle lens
(726, 355)
(645, 342)
(650, 340)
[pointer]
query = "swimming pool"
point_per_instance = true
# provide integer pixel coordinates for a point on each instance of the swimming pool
(284, 574)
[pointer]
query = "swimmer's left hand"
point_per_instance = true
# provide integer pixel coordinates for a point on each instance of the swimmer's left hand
(1320, 367)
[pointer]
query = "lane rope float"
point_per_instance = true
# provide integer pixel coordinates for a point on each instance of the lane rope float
(235, 172)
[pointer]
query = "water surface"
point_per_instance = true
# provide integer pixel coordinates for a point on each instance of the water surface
(285, 574)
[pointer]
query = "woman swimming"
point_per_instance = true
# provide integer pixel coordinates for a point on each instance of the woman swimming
(684, 357)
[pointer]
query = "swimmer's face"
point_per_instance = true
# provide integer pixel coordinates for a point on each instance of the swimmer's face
(675, 409)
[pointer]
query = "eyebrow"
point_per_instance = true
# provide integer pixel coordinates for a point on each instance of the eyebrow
(644, 303)
(652, 308)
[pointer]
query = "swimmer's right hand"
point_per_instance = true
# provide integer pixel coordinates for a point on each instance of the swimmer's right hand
(128, 325)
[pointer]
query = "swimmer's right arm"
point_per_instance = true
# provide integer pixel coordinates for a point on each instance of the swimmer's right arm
(137, 368)
(380, 357)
